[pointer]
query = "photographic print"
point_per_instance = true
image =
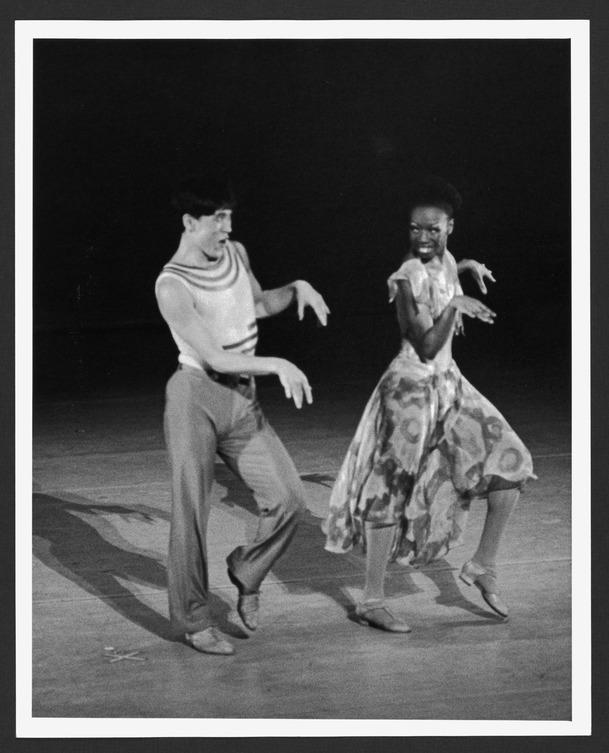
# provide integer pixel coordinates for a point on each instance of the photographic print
(302, 377)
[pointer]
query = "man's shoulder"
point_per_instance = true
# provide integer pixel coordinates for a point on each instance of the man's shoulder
(168, 285)
(172, 279)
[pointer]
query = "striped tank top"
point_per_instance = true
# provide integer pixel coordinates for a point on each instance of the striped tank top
(222, 295)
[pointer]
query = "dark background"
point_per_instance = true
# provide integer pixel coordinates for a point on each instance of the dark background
(319, 138)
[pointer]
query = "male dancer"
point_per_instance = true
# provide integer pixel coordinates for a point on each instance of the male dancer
(211, 300)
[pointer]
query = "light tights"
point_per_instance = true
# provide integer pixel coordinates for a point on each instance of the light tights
(378, 546)
(500, 506)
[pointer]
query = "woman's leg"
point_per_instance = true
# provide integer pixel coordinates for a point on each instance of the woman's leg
(481, 570)
(378, 546)
(500, 506)
(372, 609)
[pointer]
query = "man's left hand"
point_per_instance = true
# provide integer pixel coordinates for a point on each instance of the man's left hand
(306, 295)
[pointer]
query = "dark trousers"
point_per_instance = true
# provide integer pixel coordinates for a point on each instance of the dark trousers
(204, 417)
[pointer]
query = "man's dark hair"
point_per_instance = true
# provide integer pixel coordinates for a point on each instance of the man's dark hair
(433, 191)
(203, 196)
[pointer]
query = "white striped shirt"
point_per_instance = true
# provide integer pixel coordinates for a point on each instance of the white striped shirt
(222, 295)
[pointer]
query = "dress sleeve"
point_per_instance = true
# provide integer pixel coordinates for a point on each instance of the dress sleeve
(414, 272)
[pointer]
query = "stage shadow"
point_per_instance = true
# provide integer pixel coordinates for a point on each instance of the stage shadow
(307, 567)
(341, 577)
(450, 595)
(74, 537)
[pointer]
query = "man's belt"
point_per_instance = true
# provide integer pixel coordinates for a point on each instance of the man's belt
(228, 380)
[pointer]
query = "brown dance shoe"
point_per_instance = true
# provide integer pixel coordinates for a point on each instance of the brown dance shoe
(210, 641)
(377, 615)
(485, 581)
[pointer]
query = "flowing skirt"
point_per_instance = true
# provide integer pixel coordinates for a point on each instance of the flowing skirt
(427, 443)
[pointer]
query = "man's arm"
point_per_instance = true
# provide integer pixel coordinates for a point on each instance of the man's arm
(271, 302)
(177, 308)
(426, 335)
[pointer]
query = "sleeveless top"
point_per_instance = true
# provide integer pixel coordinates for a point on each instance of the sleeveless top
(222, 294)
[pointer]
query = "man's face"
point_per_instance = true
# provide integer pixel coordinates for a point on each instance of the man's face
(209, 233)
(428, 231)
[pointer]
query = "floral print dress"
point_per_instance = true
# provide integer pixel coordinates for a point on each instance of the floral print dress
(427, 443)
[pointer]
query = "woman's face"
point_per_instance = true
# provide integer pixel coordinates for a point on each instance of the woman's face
(428, 231)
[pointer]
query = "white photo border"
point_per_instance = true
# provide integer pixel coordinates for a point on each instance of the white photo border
(577, 31)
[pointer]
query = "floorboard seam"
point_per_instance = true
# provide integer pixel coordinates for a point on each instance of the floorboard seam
(162, 450)
(271, 582)
(73, 490)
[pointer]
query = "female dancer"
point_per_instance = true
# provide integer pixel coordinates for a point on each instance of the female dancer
(428, 441)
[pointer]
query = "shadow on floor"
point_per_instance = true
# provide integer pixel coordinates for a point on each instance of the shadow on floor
(341, 577)
(74, 538)
(451, 596)
(306, 566)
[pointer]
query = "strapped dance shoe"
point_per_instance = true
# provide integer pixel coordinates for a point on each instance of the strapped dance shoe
(376, 614)
(210, 641)
(485, 581)
(247, 603)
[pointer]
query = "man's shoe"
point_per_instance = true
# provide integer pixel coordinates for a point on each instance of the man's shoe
(378, 616)
(210, 641)
(485, 581)
(247, 607)
(247, 603)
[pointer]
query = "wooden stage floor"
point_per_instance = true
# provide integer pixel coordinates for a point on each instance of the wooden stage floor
(101, 521)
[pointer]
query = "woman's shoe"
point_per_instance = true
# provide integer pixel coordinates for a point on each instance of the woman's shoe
(377, 615)
(485, 581)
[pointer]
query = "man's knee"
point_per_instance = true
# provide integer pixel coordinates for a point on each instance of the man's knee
(288, 499)
(294, 502)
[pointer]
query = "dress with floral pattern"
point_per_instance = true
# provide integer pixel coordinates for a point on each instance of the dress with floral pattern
(427, 443)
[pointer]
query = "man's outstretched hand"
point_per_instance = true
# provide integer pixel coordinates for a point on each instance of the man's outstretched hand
(294, 382)
(306, 295)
